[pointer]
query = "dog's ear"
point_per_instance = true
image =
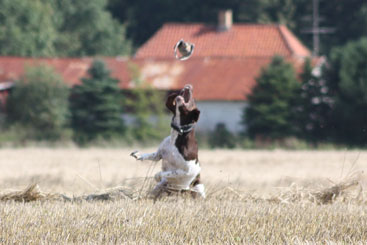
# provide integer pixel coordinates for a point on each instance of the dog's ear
(194, 115)
(170, 102)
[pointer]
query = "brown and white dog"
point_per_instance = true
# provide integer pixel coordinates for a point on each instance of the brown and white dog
(178, 151)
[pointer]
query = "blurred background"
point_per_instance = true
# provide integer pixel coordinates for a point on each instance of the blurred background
(266, 73)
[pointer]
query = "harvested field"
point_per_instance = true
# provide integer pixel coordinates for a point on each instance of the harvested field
(254, 197)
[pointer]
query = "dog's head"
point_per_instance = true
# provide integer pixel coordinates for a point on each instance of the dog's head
(183, 107)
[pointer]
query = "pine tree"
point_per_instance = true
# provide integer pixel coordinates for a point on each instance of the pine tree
(96, 106)
(271, 113)
(315, 106)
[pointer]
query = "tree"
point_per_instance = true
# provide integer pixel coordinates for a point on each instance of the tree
(86, 28)
(265, 11)
(39, 102)
(315, 106)
(96, 110)
(146, 17)
(333, 14)
(154, 13)
(41, 28)
(296, 15)
(270, 113)
(346, 76)
(147, 106)
(27, 28)
(339, 15)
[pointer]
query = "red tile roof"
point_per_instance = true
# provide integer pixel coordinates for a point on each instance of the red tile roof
(70, 69)
(212, 78)
(242, 40)
(224, 65)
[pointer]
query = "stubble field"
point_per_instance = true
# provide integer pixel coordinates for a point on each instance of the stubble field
(253, 197)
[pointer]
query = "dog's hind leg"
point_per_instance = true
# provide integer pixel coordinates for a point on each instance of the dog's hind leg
(197, 188)
(158, 190)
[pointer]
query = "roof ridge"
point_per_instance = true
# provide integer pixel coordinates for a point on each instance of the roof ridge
(215, 57)
(184, 23)
(214, 24)
(284, 38)
(293, 42)
(243, 39)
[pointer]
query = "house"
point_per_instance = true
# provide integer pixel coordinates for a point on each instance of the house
(226, 61)
(70, 69)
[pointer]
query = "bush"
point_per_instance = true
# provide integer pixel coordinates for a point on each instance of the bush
(39, 103)
(347, 79)
(221, 137)
(148, 109)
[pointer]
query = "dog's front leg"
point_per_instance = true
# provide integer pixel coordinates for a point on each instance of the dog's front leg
(155, 156)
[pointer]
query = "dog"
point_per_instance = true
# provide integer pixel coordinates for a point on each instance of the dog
(178, 151)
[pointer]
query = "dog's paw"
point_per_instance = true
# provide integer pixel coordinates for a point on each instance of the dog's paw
(199, 190)
(158, 177)
(136, 155)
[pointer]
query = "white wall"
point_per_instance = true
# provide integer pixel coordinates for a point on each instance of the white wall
(211, 113)
(214, 112)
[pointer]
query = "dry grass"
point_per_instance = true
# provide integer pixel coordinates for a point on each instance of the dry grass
(254, 197)
(181, 221)
(31, 193)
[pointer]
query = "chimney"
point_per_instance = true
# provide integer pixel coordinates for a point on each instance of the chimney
(225, 20)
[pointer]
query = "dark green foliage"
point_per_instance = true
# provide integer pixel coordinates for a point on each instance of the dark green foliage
(144, 18)
(42, 28)
(265, 11)
(348, 17)
(39, 103)
(271, 113)
(315, 106)
(221, 137)
(86, 28)
(347, 79)
(26, 28)
(96, 106)
(333, 14)
(147, 106)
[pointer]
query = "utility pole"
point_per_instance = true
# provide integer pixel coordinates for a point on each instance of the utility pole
(315, 27)
(316, 30)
